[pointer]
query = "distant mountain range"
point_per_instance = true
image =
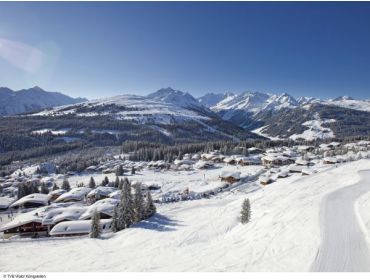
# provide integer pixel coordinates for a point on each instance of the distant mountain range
(174, 115)
(30, 100)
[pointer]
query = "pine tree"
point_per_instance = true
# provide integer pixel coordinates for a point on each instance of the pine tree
(246, 212)
(138, 204)
(120, 185)
(92, 184)
(44, 189)
(114, 225)
(65, 185)
(95, 231)
(125, 208)
(105, 181)
(116, 182)
(119, 171)
(55, 187)
(150, 208)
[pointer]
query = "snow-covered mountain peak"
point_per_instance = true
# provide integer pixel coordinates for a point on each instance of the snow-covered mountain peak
(343, 98)
(176, 97)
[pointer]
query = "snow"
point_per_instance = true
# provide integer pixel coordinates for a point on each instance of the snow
(259, 131)
(78, 193)
(341, 229)
(315, 130)
(361, 105)
(6, 201)
(204, 234)
(53, 132)
(39, 198)
(105, 206)
(77, 227)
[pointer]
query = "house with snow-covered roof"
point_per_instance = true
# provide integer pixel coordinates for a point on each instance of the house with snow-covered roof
(27, 224)
(60, 214)
(75, 194)
(104, 207)
(33, 200)
(100, 192)
(230, 176)
(78, 228)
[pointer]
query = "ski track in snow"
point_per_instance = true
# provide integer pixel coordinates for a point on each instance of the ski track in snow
(344, 247)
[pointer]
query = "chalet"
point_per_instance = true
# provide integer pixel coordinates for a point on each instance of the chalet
(74, 195)
(104, 207)
(252, 160)
(302, 162)
(275, 160)
(203, 165)
(308, 171)
(330, 160)
(304, 148)
(53, 195)
(78, 228)
(296, 168)
(265, 180)
(283, 174)
(254, 150)
(230, 160)
(230, 177)
(98, 193)
(61, 214)
(33, 200)
(27, 224)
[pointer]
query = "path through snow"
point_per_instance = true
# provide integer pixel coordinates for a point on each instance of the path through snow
(343, 247)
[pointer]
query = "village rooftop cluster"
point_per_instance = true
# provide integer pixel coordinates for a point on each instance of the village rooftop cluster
(52, 210)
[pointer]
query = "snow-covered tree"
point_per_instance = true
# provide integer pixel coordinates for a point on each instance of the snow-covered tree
(92, 183)
(120, 185)
(44, 189)
(119, 170)
(105, 181)
(116, 182)
(65, 185)
(95, 231)
(55, 187)
(125, 208)
(138, 204)
(150, 208)
(114, 225)
(246, 211)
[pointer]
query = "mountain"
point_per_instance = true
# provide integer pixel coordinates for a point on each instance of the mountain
(175, 97)
(30, 100)
(211, 99)
(282, 116)
(314, 121)
(165, 115)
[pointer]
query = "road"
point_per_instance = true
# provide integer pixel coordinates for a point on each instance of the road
(343, 246)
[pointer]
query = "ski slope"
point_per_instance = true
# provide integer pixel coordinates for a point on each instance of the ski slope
(203, 235)
(344, 247)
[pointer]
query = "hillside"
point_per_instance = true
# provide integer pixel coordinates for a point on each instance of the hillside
(30, 100)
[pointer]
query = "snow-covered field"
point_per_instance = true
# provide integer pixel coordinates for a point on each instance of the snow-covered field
(203, 235)
(315, 130)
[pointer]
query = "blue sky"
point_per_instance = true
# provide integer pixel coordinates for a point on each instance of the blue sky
(104, 49)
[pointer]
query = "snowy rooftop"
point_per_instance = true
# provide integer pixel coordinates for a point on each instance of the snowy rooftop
(105, 206)
(78, 227)
(38, 198)
(74, 194)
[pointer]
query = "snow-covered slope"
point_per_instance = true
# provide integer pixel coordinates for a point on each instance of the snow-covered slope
(175, 97)
(32, 99)
(130, 107)
(172, 113)
(203, 235)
